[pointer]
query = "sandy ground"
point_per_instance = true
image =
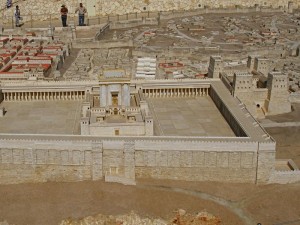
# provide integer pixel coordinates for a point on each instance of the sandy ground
(49, 203)
(293, 116)
(287, 138)
(287, 142)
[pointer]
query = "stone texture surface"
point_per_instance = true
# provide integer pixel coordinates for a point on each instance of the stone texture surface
(64, 160)
(42, 9)
(51, 117)
(188, 117)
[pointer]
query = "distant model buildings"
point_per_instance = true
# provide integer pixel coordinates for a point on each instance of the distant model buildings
(28, 58)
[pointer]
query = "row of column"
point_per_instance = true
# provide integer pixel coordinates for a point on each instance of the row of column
(176, 92)
(29, 96)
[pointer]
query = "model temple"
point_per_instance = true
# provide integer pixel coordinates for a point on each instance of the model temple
(165, 96)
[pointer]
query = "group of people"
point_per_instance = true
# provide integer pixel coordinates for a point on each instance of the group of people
(64, 14)
(63, 11)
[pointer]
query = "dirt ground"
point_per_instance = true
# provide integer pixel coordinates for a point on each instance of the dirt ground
(293, 116)
(287, 142)
(287, 138)
(49, 203)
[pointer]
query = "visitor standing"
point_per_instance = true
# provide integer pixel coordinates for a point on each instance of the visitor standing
(8, 3)
(81, 11)
(17, 15)
(64, 15)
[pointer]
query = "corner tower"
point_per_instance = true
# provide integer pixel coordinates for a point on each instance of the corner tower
(242, 83)
(262, 65)
(277, 100)
(215, 66)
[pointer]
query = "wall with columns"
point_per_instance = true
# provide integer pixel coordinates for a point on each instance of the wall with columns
(176, 91)
(45, 90)
(42, 95)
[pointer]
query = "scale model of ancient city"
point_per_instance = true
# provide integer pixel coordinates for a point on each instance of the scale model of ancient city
(177, 92)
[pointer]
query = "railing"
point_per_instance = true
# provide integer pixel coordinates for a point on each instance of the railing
(54, 20)
(44, 20)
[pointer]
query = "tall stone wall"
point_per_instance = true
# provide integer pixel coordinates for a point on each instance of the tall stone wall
(218, 161)
(39, 160)
(225, 110)
(265, 161)
(120, 7)
(75, 158)
(40, 165)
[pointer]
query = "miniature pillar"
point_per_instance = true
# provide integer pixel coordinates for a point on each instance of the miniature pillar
(103, 97)
(97, 153)
(129, 164)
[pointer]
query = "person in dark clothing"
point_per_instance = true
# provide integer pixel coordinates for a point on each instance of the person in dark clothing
(64, 15)
(8, 3)
(17, 15)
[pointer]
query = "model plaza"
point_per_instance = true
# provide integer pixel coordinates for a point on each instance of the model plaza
(138, 100)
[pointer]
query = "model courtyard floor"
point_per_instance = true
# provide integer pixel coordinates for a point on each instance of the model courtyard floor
(52, 117)
(188, 117)
(172, 117)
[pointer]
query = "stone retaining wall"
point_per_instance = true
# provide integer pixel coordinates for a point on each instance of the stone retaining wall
(42, 9)
(285, 177)
(34, 158)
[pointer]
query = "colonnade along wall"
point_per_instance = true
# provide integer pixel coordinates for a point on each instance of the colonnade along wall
(43, 95)
(175, 92)
(40, 158)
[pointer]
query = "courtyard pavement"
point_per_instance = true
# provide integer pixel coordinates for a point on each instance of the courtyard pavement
(188, 117)
(52, 117)
(172, 117)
